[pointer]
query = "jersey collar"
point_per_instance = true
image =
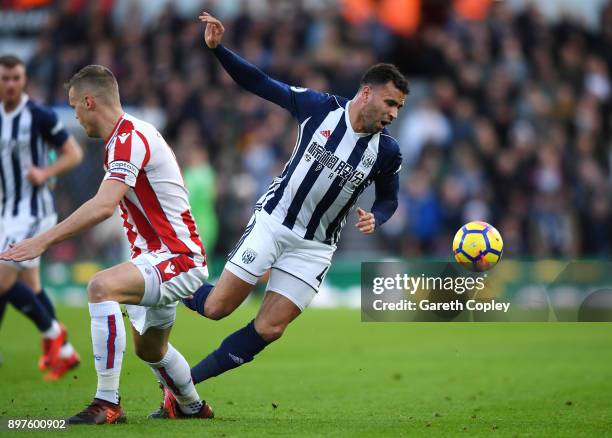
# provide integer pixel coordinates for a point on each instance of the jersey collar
(18, 108)
(114, 131)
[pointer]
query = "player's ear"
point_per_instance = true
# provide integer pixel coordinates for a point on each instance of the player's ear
(367, 91)
(90, 102)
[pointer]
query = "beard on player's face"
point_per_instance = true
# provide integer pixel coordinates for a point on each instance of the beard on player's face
(375, 119)
(12, 84)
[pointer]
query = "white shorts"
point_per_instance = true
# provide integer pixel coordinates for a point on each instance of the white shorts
(13, 230)
(298, 265)
(168, 279)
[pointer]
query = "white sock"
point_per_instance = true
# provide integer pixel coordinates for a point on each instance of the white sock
(54, 331)
(66, 351)
(110, 396)
(174, 373)
(108, 338)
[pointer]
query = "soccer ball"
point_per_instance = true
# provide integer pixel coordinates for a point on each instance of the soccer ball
(477, 246)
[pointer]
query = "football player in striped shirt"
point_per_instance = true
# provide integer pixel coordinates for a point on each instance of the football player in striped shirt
(27, 131)
(342, 147)
(168, 263)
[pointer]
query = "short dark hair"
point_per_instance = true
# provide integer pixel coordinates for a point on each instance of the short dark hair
(97, 79)
(10, 61)
(380, 74)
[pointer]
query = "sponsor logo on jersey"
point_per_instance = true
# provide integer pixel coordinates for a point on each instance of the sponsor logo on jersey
(248, 256)
(326, 133)
(338, 167)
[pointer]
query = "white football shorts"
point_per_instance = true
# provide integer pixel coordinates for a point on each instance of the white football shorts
(168, 278)
(14, 230)
(298, 265)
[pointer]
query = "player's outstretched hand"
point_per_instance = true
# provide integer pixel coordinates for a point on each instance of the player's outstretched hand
(366, 222)
(25, 250)
(214, 30)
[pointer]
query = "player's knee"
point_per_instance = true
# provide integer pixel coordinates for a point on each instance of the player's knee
(5, 287)
(148, 353)
(270, 332)
(216, 310)
(98, 289)
(6, 283)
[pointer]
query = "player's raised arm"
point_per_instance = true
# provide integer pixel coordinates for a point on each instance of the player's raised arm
(244, 73)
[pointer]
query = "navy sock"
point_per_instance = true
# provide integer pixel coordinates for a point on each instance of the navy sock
(199, 298)
(26, 302)
(46, 302)
(237, 349)
(3, 301)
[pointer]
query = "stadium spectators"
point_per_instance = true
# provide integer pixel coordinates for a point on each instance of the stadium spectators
(509, 119)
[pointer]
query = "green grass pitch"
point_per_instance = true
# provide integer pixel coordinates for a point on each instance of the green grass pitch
(332, 375)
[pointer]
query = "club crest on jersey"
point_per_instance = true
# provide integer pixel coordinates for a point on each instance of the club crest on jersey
(326, 133)
(248, 256)
(368, 160)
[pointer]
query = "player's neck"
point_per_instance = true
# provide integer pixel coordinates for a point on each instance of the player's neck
(109, 119)
(355, 116)
(10, 105)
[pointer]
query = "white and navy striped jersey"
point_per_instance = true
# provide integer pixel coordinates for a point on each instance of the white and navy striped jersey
(331, 164)
(26, 133)
(329, 169)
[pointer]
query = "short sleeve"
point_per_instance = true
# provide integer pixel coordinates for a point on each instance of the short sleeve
(51, 128)
(306, 102)
(127, 155)
(392, 161)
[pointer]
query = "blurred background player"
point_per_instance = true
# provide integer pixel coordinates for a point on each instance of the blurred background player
(168, 262)
(201, 182)
(27, 130)
(342, 147)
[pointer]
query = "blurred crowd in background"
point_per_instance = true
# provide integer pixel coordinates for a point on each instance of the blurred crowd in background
(509, 119)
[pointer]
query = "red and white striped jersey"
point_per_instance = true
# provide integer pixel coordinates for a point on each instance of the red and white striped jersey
(156, 212)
